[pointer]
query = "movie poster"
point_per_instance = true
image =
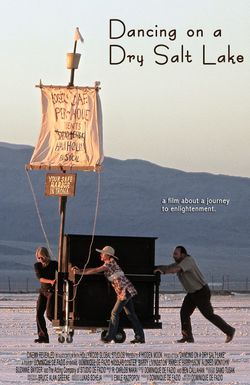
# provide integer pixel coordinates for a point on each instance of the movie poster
(173, 80)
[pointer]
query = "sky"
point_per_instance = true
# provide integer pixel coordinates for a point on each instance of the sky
(185, 115)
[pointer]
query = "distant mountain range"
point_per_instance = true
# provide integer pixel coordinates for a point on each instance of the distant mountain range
(132, 192)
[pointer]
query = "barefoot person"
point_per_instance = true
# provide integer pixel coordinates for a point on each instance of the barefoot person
(45, 270)
(198, 294)
(125, 292)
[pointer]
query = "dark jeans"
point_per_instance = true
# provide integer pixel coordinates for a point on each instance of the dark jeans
(129, 309)
(45, 302)
(201, 300)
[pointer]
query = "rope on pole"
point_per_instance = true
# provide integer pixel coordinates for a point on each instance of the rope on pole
(93, 233)
(38, 213)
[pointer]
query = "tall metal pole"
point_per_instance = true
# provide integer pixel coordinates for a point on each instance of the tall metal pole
(63, 199)
(62, 209)
(72, 73)
(62, 269)
(62, 276)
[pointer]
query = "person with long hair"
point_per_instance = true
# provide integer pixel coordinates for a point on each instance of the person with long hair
(45, 270)
(125, 292)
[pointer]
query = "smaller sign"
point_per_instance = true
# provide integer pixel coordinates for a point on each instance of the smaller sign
(60, 184)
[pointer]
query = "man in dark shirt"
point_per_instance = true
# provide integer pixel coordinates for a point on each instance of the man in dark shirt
(45, 270)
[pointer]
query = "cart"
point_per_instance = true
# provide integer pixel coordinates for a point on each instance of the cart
(87, 304)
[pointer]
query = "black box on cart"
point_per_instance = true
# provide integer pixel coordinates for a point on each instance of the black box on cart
(91, 301)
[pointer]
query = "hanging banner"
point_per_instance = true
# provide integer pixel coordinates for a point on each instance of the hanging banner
(71, 132)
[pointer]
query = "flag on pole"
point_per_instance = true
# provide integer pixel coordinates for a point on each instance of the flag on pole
(71, 131)
(78, 35)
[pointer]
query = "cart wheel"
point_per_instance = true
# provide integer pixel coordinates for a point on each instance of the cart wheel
(69, 339)
(103, 334)
(61, 339)
(120, 336)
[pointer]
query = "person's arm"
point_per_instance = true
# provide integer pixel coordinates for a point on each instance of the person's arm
(90, 270)
(45, 280)
(168, 269)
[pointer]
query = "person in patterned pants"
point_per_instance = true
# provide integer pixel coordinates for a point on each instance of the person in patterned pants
(125, 292)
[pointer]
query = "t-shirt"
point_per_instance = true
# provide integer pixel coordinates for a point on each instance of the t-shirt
(119, 281)
(47, 272)
(190, 276)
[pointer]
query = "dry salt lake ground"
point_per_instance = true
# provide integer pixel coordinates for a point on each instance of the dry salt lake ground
(160, 361)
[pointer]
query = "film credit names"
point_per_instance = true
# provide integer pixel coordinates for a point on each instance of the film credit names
(115, 366)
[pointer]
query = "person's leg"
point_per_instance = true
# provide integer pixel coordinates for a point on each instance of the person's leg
(40, 320)
(137, 327)
(202, 300)
(187, 309)
(50, 306)
(114, 320)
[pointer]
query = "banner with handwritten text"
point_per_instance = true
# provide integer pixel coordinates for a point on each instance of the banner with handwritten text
(71, 132)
